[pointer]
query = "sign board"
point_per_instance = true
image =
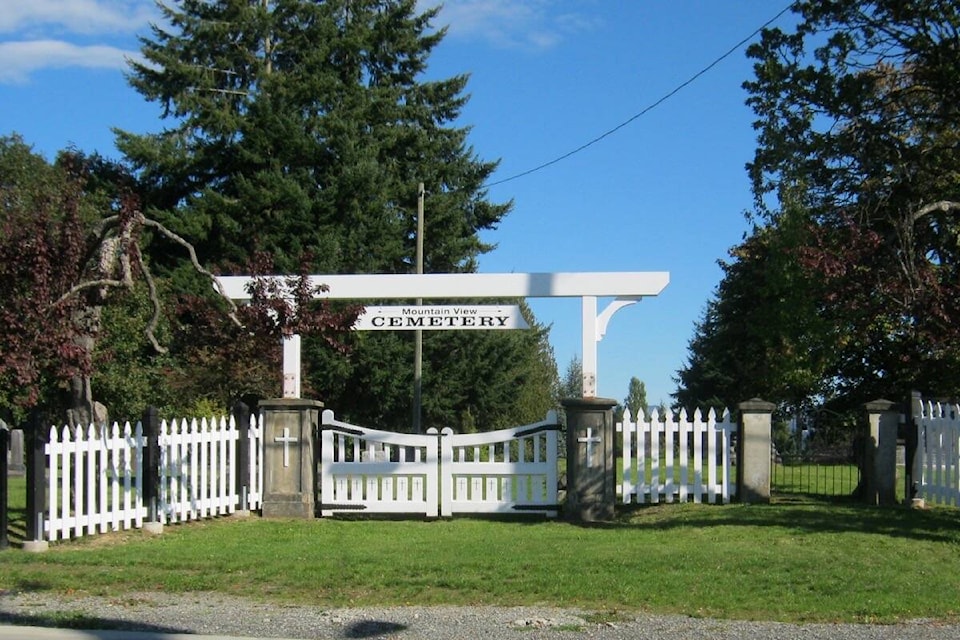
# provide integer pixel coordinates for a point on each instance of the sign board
(440, 317)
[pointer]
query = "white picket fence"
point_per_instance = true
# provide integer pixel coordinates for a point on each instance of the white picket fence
(92, 481)
(683, 458)
(94, 484)
(198, 471)
(937, 462)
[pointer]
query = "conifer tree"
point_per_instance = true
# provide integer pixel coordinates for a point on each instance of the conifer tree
(302, 128)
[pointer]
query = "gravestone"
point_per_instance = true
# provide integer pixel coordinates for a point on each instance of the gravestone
(591, 470)
(289, 461)
(15, 457)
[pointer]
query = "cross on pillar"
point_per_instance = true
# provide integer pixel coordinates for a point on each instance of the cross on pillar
(287, 440)
(590, 440)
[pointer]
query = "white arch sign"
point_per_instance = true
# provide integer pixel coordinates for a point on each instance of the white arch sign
(628, 287)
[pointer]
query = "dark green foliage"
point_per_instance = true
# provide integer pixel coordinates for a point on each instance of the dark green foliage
(848, 290)
(302, 129)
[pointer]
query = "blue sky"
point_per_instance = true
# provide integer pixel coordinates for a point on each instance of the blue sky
(664, 192)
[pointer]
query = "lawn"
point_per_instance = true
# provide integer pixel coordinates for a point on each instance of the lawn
(814, 561)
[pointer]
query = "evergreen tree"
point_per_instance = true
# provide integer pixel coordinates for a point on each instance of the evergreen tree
(636, 400)
(857, 111)
(302, 129)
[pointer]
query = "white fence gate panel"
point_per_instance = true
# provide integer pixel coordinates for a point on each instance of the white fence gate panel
(937, 461)
(506, 471)
(376, 471)
(687, 459)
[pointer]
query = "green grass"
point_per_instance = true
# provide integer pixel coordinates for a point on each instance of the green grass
(815, 479)
(815, 561)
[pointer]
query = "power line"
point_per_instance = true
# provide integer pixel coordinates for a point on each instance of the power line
(646, 109)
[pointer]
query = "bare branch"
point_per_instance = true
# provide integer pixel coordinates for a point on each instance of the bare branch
(196, 264)
(942, 205)
(150, 330)
(91, 284)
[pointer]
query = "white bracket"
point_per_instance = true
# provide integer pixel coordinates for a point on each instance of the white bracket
(604, 318)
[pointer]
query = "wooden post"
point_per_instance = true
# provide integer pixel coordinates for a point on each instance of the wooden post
(4, 485)
(241, 417)
(151, 470)
(38, 433)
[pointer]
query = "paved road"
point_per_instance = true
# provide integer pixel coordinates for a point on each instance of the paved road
(159, 616)
(41, 633)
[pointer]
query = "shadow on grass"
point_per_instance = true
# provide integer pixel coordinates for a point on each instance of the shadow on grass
(803, 515)
(16, 527)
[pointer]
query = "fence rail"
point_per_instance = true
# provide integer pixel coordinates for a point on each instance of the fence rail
(683, 458)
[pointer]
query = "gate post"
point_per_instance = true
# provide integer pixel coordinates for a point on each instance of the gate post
(753, 450)
(290, 428)
(591, 468)
(880, 453)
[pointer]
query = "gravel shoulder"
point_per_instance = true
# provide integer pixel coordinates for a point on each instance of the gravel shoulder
(214, 614)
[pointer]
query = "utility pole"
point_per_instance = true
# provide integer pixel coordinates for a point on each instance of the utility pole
(418, 334)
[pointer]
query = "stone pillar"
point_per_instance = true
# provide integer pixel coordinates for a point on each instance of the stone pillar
(880, 453)
(753, 450)
(289, 460)
(591, 465)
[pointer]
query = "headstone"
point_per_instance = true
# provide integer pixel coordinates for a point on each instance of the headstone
(289, 460)
(15, 460)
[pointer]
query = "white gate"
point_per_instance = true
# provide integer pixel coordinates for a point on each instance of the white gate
(376, 471)
(372, 471)
(506, 471)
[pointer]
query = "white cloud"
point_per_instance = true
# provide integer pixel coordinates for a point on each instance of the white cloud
(19, 59)
(509, 24)
(75, 16)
